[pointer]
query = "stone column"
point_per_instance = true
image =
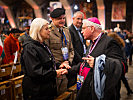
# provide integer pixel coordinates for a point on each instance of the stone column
(101, 12)
(8, 14)
(37, 10)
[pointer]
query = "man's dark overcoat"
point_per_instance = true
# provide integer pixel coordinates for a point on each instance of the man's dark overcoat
(112, 70)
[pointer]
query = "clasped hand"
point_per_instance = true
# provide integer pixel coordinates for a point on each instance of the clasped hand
(63, 68)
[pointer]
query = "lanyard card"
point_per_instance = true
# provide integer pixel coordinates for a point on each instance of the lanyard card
(65, 53)
(80, 80)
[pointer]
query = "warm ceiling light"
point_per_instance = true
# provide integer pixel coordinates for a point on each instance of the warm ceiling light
(75, 7)
(88, 0)
(5, 7)
(35, 7)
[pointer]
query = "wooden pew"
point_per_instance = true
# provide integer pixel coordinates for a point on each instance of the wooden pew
(7, 71)
(17, 87)
(5, 90)
(65, 96)
(73, 89)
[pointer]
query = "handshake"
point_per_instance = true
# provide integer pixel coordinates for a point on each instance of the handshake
(63, 69)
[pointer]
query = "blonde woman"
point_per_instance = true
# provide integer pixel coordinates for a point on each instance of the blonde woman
(38, 63)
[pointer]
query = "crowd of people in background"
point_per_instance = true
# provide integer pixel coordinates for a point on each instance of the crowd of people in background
(52, 56)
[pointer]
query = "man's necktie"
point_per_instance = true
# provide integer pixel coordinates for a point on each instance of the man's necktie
(81, 38)
(61, 32)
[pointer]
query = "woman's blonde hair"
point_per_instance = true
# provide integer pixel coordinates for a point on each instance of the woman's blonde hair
(35, 28)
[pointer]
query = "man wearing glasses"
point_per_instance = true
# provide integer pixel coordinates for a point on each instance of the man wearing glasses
(105, 60)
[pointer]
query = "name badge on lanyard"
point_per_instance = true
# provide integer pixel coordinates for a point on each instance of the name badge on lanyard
(65, 53)
(80, 80)
(64, 49)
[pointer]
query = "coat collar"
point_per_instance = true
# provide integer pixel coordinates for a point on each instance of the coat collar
(55, 30)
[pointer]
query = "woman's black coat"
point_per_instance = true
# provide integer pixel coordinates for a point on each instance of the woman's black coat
(37, 62)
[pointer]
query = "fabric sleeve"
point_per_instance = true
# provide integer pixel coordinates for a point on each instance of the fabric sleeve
(113, 71)
(34, 68)
(74, 69)
(7, 50)
(1, 49)
(115, 51)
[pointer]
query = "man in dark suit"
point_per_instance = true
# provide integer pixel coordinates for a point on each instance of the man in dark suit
(78, 41)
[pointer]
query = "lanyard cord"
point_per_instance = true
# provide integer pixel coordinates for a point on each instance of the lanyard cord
(53, 59)
(90, 50)
(65, 39)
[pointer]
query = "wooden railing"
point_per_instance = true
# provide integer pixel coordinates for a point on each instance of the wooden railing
(5, 90)
(70, 94)
(8, 71)
(11, 89)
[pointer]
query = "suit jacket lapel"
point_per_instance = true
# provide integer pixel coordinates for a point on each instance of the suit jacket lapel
(75, 32)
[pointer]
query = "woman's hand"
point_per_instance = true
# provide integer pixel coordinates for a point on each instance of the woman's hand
(90, 60)
(65, 64)
(61, 72)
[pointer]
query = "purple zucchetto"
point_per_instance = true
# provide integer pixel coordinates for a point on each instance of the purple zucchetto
(94, 21)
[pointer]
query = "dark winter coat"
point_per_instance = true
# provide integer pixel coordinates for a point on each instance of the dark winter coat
(112, 70)
(39, 81)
